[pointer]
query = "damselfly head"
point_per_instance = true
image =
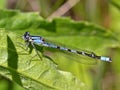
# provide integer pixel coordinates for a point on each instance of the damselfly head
(26, 36)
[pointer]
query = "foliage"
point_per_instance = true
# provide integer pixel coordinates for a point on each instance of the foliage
(15, 61)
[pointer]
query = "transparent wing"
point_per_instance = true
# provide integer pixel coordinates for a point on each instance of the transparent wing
(81, 56)
(56, 53)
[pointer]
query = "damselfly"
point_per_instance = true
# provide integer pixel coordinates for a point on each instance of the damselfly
(31, 39)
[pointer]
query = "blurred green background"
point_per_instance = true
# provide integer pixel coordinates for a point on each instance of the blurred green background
(105, 13)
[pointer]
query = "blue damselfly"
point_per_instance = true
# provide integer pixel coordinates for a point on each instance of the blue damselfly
(32, 39)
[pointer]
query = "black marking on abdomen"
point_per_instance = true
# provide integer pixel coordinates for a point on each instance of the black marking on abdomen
(43, 39)
(98, 57)
(58, 47)
(69, 50)
(79, 52)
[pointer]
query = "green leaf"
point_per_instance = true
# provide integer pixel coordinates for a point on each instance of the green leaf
(28, 70)
(115, 3)
(14, 64)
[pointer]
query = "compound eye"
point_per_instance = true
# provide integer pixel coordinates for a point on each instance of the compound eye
(27, 33)
(26, 36)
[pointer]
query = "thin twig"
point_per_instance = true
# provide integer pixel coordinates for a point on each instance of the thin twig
(63, 9)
